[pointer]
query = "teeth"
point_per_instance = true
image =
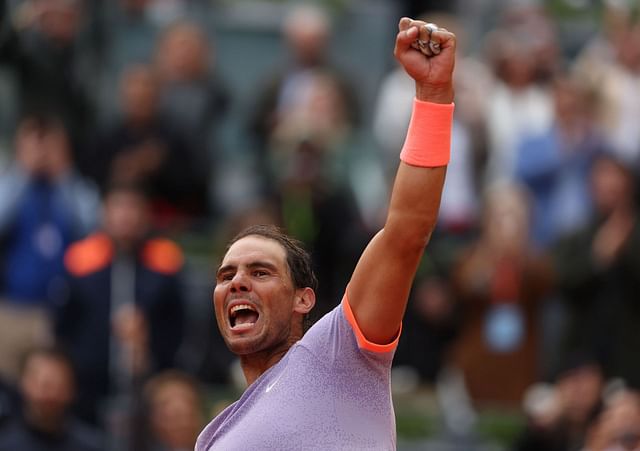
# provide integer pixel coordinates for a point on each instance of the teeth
(235, 308)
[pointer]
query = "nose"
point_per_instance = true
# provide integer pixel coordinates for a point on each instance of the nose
(240, 282)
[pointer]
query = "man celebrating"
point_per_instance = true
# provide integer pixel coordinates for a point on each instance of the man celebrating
(330, 390)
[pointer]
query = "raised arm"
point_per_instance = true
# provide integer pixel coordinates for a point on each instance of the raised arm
(379, 288)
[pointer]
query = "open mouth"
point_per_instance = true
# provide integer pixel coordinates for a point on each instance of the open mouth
(242, 316)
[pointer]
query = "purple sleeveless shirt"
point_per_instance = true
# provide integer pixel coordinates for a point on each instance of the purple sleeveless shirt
(331, 391)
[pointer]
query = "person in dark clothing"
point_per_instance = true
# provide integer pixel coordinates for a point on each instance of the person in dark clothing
(121, 316)
(193, 97)
(39, 43)
(142, 147)
(598, 274)
(47, 387)
(306, 32)
(432, 322)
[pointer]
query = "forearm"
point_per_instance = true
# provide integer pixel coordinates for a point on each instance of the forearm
(415, 202)
(417, 190)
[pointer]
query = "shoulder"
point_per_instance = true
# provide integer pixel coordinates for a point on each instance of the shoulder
(162, 255)
(331, 337)
(89, 255)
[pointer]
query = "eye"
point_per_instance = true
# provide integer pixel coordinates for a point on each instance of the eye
(260, 273)
(224, 277)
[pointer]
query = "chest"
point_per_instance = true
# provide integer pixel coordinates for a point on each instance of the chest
(305, 404)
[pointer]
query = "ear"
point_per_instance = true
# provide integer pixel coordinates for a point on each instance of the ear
(304, 301)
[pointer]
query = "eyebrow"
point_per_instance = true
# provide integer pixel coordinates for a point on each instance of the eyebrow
(252, 265)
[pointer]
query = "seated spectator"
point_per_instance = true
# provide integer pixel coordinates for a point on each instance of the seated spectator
(47, 386)
(44, 206)
(175, 411)
(143, 148)
(121, 316)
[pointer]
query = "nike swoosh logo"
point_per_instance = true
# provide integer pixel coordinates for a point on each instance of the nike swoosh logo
(272, 384)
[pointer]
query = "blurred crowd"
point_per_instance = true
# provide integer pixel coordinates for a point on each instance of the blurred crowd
(115, 155)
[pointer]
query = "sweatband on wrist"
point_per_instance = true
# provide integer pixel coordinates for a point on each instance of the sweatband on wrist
(428, 141)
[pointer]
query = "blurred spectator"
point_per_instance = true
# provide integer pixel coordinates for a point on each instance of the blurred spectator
(175, 411)
(598, 272)
(47, 386)
(322, 182)
(307, 31)
(600, 50)
(611, 63)
(192, 97)
(53, 72)
(554, 164)
(500, 280)
(122, 314)
(560, 415)
(618, 427)
(132, 27)
(620, 88)
(143, 147)
(44, 206)
(519, 104)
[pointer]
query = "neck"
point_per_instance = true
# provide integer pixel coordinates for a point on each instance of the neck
(255, 365)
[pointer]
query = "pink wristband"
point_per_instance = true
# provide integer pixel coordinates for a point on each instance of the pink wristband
(428, 141)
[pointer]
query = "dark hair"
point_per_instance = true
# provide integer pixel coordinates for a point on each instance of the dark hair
(298, 259)
(51, 352)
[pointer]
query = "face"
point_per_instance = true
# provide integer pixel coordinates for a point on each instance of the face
(126, 217)
(255, 302)
(40, 150)
(139, 93)
(47, 386)
(60, 20)
(183, 54)
(175, 415)
(611, 186)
